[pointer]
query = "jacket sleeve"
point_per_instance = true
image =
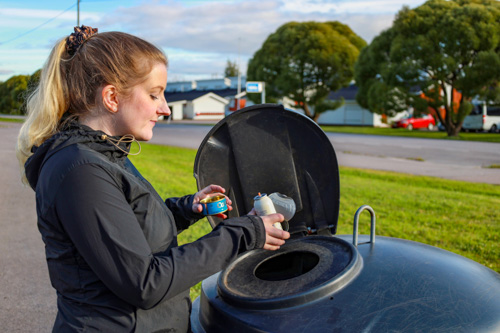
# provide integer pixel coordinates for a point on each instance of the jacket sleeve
(182, 209)
(93, 211)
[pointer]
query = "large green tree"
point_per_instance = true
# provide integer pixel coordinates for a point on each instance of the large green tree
(440, 55)
(305, 62)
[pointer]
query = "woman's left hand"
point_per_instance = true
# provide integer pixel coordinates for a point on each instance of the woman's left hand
(210, 191)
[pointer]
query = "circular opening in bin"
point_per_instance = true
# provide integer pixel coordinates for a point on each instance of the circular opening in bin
(286, 266)
(299, 272)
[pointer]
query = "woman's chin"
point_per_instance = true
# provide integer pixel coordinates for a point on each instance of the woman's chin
(145, 135)
(145, 138)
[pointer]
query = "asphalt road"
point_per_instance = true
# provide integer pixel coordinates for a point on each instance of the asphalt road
(28, 302)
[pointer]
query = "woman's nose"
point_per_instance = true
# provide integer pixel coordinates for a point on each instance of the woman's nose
(164, 110)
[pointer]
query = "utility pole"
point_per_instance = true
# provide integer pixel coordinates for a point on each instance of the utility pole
(77, 13)
(239, 77)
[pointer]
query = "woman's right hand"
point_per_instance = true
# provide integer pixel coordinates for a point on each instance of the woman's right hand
(274, 237)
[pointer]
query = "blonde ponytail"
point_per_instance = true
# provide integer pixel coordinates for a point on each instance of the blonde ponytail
(45, 107)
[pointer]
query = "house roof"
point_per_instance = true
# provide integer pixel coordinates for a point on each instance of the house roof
(214, 96)
(348, 93)
(180, 101)
(194, 94)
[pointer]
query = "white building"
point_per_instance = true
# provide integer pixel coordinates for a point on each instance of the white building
(202, 99)
(199, 104)
(349, 114)
(207, 106)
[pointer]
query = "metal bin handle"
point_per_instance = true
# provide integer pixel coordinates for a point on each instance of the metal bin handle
(356, 222)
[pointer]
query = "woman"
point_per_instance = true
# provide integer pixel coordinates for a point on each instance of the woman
(110, 240)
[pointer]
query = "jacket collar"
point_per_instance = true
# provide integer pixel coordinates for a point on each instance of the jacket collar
(71, 133)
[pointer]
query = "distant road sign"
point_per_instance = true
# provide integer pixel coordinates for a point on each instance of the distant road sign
(254, 87)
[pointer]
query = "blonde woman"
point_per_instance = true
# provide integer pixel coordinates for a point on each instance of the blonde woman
(110, 240)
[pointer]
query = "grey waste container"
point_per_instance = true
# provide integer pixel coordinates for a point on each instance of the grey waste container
(319, 281)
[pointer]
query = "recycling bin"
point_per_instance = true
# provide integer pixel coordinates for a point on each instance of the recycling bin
(319, 281)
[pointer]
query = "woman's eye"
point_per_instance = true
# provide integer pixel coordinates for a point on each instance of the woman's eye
(154, 98)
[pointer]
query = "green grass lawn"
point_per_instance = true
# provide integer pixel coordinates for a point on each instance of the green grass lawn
(461, 217)
(11, 120)
(486, 137)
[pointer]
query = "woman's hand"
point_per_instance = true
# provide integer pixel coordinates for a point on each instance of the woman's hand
(210, 191)
(274, 237)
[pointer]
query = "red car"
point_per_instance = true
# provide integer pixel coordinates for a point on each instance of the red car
(422, 121)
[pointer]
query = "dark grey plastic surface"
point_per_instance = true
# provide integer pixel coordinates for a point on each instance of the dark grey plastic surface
(403, 286)
(265, 148)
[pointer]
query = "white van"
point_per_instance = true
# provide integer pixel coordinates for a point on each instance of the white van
(483, 117)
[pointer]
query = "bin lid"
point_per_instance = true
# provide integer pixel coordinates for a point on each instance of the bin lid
(266, 148)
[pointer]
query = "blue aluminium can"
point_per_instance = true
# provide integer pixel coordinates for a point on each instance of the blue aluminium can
(214, 205)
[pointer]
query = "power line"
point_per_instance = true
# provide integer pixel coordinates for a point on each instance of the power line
(37, 27)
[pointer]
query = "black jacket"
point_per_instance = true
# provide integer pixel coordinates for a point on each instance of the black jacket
(111, 241)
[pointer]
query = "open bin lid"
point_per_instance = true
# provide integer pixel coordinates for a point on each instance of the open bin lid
(265, 148)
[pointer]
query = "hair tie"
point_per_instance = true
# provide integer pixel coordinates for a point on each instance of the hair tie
(77, 38)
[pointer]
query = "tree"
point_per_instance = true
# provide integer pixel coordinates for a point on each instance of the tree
(305, 62)
(231, 69)
(439, 56)
(13, 92)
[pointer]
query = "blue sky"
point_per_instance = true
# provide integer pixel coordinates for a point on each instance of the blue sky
(197, 36)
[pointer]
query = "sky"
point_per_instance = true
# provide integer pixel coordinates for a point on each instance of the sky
(199, 37)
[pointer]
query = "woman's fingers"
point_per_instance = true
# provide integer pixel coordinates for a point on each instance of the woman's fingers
(270, 240)
(207, 192)
(213, 188)
(274, 243)
(274, 237)
(198, 208)
(271, 219)
(270, 247)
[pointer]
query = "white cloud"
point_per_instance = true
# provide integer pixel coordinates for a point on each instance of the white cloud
(342, 7)
(209, 27)
(200, 36)
(367, 26)
(6, 71)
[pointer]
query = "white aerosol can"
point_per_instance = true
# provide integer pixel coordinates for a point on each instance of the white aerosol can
(264, 206)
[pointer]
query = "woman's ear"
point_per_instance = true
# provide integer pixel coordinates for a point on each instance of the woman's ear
(110, 98)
